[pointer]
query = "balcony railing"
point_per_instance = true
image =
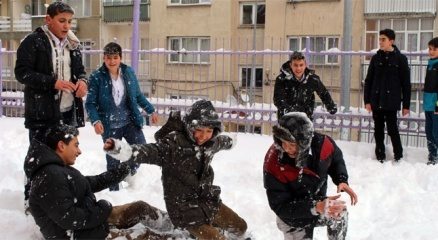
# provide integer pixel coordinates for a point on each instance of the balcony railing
(400, 7)
(122, 11)
(22, 25)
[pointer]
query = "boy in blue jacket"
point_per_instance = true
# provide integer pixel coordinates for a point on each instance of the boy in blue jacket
(430, 101)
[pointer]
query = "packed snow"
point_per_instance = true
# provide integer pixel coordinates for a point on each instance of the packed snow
(396, 201)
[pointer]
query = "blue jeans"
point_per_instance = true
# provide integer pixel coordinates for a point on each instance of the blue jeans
(133, 135)
(432, 134)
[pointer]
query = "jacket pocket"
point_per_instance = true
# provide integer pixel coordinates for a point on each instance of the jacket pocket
(43, 107)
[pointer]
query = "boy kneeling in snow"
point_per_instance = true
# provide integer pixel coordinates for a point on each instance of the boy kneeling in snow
(184, 155)
(61, 199)
(295, 171)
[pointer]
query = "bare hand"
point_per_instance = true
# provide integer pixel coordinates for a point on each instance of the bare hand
(66, 86)
(334, 207)
(344, 187)
(81, 89)
(154, 118)
(108, 145)
(368, 108)
(405, 112)
(98, 128)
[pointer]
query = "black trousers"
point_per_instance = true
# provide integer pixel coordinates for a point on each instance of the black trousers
(382, 117)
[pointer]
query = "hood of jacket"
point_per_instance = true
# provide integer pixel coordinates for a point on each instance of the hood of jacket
(73, 41)
(38, 156)
(294, 127)
(202, 114)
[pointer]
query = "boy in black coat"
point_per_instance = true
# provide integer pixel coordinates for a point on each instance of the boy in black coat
(296, 170)
(295, 87)
(62, 200)
(387, 86)
(184, 151)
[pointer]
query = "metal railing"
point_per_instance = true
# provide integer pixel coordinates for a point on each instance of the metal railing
(174, 86)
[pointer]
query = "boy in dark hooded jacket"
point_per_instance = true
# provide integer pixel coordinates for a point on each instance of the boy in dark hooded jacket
(295, 171)
(184, 155)
(295, 87)
(62, 200)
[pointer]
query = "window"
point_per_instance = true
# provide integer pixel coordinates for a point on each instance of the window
(317, 44)
(183, 2)
(144, 45)
(86, 56)
(411, 34)
(38, 7)
(189, 44)
(245, 77)
(82, 8)
(251, 13)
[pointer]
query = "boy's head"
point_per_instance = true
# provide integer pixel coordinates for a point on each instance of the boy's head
(294, 134)
(433, 48)
(112, 56)
(63, 139)
(297, 63)
(202, 121)
(386, 39)
(59, 16)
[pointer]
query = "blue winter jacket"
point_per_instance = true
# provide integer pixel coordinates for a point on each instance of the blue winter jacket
(430, 96)
(98, 103)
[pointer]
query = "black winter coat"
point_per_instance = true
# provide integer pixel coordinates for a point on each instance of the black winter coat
(190, 196)
(292, 194)
(61, 198)
(291, 95)
(34, 69)
(388, 81)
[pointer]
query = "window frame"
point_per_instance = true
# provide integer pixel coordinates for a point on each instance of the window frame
(254, 14)
(180, 55)
(301, 45)
(180, 3)
(253, 70)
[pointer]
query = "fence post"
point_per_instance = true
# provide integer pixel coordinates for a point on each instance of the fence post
(134, 52)
(1, 78)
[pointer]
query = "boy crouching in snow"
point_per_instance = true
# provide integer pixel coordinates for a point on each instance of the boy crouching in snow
(295, 171)
(184, 155)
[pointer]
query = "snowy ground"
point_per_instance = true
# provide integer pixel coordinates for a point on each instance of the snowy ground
(395, 201)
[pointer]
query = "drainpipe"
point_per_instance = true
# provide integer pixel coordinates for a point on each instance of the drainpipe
(346, 59)
(134, 49)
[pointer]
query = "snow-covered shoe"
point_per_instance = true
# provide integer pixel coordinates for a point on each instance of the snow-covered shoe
(432, 162)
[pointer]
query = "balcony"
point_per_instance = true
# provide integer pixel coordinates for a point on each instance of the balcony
(122, 11)
(400, 7)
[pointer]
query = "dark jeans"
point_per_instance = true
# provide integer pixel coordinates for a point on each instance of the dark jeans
(133, 135)
(381, 117)
(336, 229)
(432, 134)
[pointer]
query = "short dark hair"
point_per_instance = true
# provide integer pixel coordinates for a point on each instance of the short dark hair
(388, 32)
(61, 132)
(296, 56)
(112, 48)
(58, 7)
(433, 42)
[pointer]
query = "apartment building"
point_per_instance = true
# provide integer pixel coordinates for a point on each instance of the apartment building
(230, 30)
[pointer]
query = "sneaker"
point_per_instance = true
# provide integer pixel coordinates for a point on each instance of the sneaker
(432, 162)
(398, 158)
